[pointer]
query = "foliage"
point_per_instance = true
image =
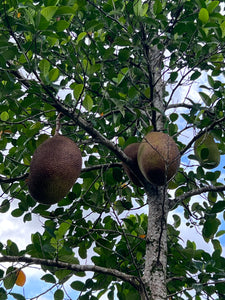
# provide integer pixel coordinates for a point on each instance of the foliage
(90, 60)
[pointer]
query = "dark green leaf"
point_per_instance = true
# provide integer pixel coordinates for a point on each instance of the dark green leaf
(210, 227)
(48, 278)
(58, 295)
(77, 285)
(18, 296)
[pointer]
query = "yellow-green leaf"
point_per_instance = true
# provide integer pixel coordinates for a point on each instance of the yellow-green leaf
(77, 90)
(203, 15)
(53, 74)
(48, 12)
(222, 27)
(88, 102)
(4, 116)
(81, 36)
(44, 67)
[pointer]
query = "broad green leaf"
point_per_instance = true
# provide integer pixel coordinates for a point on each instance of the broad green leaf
(196, 75)
(173, 76)
(10, 279)
(53, 74)
(203, 15)
(3, 295)
(88, 103)
(18, 296)
(12, 248)
(210, 228)
(81, 36)
(205, 98)
(44, 66)
(48, 278)
(66, 10)
(139, 8)
(177, 221)
(77, 90)
(77, 285)
(212, 5)
(48, 12)
(157, 7)
(58, 295)
(61, 25)
(5, 205)
(17, 212)
(220, 233)
(63, 228)
(121, 75)
(4, 116)
(222, 27)
(218, 207)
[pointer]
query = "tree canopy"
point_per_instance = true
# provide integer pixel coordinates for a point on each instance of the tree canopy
(110, 72)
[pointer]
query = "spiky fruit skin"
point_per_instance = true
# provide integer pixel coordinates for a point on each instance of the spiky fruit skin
(131, 151)
(158, 158)
(207, 152)
(54, 168)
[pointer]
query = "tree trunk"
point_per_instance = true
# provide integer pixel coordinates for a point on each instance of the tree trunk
(156, 241)
(156, 245)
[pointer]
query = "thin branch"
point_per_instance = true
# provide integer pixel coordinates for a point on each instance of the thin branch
(11, 180)
(87, 169)
(209, 188)
(107, 15)
(73, 267)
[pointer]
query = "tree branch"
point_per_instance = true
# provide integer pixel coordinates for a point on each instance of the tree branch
(73, 267)
(11, 180)
(209, 188)
(87, 169)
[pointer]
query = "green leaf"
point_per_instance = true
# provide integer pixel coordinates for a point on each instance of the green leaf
(77, 285)
(212, 5)
(205, 98)
(44, 66)
(62, 25)
(222, 27)
(210, 228)
(80, 37)
(53, 74)
(203, 15)
(88, 103)
(12, 248)
(177, 221)
(48, 278)
(66, 10)
(220, 233)
(58, 295)
(17, 212)
(4, 116)
(4, 206)
(10, 279)
(63, 228)
(139, 8)
(77, 90)
(173, 76)
(3, 295)
(218, 207)
(18, 296)
(48, 12)
(195, 75)
(157, 7)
